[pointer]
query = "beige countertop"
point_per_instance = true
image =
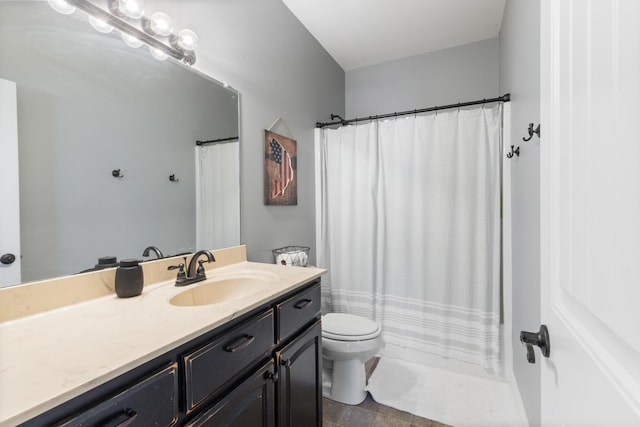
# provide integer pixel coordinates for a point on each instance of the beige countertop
(53, 356)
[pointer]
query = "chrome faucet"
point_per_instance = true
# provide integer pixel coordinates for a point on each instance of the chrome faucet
(193, 274)
(153, 249)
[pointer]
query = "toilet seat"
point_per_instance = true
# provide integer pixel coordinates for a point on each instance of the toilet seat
(347, 327)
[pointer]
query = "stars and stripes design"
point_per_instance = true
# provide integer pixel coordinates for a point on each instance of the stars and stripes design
(285, 171)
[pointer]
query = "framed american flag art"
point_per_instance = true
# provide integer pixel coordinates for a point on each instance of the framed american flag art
(280, 170)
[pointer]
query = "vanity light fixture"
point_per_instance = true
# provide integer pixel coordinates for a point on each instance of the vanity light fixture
(127, 16)
(131, 41)
(159, 24)
(133, 9)
(61, 6)
(100, 25)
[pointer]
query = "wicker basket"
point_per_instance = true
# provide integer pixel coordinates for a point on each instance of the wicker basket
(291, 255)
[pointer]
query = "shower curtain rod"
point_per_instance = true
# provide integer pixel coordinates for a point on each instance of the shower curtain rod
(504, 98)
(218, 141)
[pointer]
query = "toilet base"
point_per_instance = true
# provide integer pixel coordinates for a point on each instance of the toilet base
(348, 382)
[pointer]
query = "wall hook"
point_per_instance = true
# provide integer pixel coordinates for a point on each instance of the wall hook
(173, 178)
(116, 173)
(531, 131)
(516, 152)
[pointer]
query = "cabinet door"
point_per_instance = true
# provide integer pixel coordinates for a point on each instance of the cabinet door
(299, 387)
(252, 404)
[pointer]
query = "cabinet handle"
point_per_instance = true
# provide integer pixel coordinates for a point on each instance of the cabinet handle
(122, 420)
(273, 376)
(239, 343)
(302, 304)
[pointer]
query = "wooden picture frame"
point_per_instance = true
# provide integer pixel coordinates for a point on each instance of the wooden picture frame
(280, 170)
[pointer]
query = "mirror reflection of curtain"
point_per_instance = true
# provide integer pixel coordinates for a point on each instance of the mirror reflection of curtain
(217, 196)
(408, 225)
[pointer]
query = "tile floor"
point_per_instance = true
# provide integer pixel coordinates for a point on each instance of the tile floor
(370, 413)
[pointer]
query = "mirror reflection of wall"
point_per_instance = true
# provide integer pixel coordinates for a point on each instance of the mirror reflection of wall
(88, 104)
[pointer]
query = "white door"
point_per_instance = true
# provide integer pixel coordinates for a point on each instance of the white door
(590, 211)
(9, 193)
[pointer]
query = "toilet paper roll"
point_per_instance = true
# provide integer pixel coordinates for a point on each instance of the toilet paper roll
(303, 259)
(297, 258)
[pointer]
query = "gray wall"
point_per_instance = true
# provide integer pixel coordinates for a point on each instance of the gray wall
(520, 75)
(261, 49)
(447, 76)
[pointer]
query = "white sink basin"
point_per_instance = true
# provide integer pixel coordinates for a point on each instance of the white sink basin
(221, 290)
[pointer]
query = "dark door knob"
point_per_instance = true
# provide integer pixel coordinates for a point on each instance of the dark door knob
(7, 259)
(540, 339)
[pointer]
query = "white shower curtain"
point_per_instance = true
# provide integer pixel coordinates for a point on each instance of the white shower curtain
(217, 195)
(408, 225)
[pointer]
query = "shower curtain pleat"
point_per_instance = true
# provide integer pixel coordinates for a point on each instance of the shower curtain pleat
(217, 196)
(408, 227)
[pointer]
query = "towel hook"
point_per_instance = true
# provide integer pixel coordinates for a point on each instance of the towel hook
(173, 178)
(516, 152)
(531, 131)
(116, 173)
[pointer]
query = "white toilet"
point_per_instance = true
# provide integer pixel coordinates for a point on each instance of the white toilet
(348, 342)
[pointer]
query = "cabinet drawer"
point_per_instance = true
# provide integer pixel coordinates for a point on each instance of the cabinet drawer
(209, 368)
(152, 401)
(297, 311)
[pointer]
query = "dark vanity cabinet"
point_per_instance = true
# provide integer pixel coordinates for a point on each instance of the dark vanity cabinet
(263, 369)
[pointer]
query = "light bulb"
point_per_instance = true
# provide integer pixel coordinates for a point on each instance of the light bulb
(61, 6)
(161, 24)
(158, 54)
(134, 9)
(131, 41)
(99, 25)
(187, 39)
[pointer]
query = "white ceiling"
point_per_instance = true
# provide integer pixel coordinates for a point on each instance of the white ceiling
(358, 33)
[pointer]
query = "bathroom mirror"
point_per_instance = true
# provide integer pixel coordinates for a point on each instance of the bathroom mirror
(101, 129)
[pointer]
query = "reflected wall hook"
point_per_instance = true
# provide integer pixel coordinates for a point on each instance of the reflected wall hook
(173, 178)
(516, 152)
(531, 131)
(116, 173)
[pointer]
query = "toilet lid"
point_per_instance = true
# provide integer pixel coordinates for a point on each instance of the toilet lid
(347, 327)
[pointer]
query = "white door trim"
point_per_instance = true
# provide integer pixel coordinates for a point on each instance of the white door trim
(10, 205)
